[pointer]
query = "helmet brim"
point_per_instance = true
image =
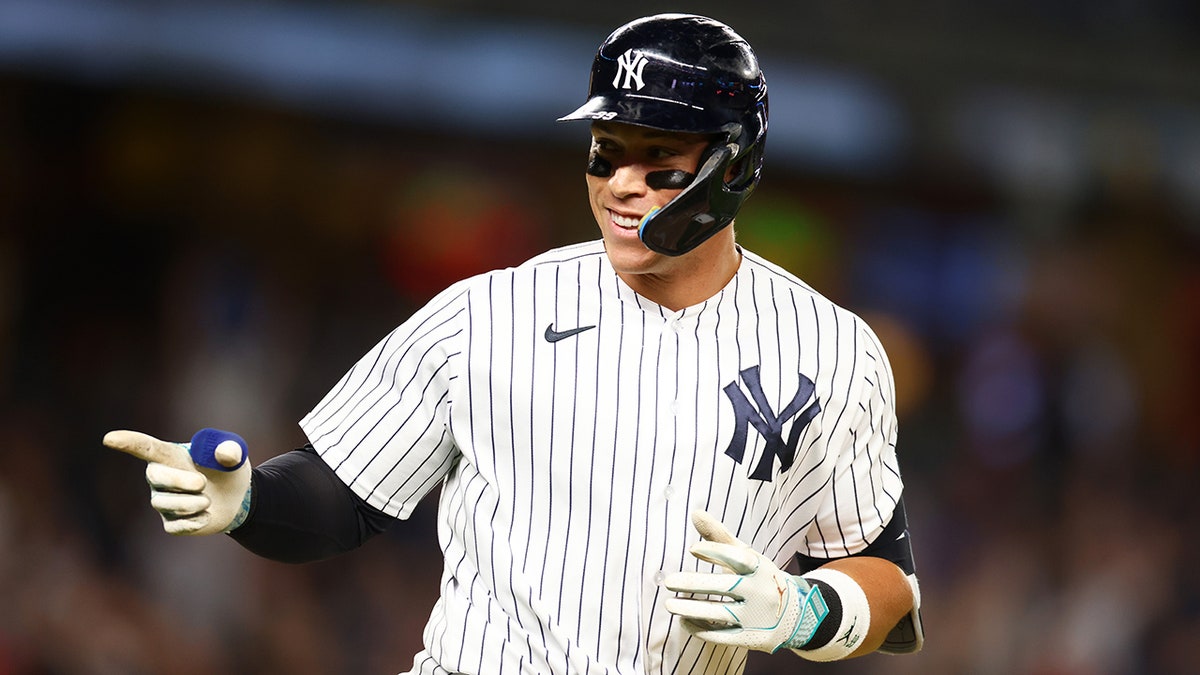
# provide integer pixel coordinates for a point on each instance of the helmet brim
(648, 111)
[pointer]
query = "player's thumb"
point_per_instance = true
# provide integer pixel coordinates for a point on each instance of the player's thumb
(148, 448)
(712, 529)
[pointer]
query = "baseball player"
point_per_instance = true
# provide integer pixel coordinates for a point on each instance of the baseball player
(634, 436)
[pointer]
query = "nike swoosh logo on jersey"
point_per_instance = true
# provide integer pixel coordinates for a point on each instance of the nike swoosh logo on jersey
(554, 335)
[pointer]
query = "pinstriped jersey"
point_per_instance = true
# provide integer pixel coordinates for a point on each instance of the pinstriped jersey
(574, 425)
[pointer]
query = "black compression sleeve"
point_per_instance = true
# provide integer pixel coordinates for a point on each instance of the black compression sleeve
(300, 511)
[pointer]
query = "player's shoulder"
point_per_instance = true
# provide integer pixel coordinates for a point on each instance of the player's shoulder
(852, 333)
(536, 269)
(785, 282)
(590, 252)
(587, 252)
(542, 267)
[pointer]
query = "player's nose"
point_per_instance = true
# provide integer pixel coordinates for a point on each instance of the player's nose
(627, 180)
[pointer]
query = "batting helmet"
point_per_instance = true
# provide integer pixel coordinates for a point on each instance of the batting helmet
(682, 72)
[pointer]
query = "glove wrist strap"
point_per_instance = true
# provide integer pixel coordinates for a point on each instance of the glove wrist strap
(848, 620)
(813, 610)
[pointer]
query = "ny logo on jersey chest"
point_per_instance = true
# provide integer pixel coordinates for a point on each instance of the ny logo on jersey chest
(755, 411)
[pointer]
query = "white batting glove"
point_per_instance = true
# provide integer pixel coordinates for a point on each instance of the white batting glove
(202, 487)
(757, 606)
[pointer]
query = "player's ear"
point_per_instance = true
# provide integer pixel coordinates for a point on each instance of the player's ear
(740, 173)
(734, 170)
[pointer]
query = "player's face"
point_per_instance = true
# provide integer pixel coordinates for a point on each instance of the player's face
(622, 198)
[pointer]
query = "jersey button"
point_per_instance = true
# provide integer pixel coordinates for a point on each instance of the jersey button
(669, 492)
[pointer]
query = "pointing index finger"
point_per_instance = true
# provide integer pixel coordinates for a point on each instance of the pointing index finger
(148, 448)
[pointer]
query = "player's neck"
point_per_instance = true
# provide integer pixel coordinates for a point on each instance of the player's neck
(693, 277)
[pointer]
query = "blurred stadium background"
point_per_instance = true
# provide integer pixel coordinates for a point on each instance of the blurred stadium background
(209, 210)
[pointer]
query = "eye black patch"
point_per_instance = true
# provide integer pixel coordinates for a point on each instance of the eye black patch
(669, 180)
(598, 166)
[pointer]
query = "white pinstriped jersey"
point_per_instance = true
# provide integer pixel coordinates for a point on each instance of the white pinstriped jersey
(570, 467)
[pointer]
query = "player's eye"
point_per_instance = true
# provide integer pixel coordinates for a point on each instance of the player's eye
(662, 152)
(603, 145)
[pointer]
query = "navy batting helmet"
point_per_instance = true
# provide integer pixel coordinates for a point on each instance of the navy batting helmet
(682, 72)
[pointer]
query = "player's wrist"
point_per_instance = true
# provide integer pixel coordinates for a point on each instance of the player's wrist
(243, 511)
(849, 616)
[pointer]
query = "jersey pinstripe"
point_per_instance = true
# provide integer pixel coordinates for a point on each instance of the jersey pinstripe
(570, 467)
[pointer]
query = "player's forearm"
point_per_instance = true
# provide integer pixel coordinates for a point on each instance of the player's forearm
(888, 595)
(301, 511)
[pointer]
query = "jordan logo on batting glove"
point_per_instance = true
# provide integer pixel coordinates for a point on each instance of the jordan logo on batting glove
(755, 605)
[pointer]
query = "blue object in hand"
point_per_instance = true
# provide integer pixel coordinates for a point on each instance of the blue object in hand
(215, 449)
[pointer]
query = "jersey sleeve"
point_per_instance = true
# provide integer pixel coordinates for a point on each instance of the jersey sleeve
(865, 485)
(384, 427)
(863, 512)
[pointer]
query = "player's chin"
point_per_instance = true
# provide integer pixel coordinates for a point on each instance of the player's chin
(630, 255)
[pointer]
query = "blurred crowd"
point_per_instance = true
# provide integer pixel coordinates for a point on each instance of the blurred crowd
(169, 263)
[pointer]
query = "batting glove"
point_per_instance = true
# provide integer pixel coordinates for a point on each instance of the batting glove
(754, 606)
(202, 487)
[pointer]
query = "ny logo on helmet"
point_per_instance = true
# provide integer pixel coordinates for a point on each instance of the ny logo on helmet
(758, 414)
(630, 65)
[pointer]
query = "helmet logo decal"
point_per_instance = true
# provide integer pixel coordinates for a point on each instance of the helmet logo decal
(630, 65)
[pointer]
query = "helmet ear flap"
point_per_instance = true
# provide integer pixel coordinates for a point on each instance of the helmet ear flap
(700, 211)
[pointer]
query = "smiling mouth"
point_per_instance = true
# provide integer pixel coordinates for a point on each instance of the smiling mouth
(625, 222)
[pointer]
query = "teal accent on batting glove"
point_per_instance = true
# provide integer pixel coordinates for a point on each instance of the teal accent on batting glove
(243, 510)
(813, 610)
